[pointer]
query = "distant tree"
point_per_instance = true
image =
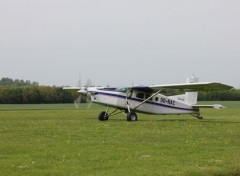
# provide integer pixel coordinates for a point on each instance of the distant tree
(15, 83)
(11, 95)
(47, 94)
(31, 94)
(226, 95)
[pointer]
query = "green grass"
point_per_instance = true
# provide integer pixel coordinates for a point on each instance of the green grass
(59, 140)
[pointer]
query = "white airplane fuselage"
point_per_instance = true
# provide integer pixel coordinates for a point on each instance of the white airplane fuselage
(158, 104)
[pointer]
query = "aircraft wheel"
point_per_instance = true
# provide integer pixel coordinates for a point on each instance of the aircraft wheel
(103, 116)
(131, 116)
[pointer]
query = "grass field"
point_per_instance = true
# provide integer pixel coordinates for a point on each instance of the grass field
(59, 140)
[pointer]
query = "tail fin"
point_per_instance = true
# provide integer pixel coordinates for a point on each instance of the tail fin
(191, 97)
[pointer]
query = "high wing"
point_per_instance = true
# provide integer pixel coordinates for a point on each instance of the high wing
(203, 86)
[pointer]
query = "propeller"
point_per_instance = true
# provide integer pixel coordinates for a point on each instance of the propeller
(77, 101)
(89, 105)
(84, 94)
(89, 83)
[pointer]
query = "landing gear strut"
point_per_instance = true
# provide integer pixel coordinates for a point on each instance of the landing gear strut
(104, 115)
(198, 115)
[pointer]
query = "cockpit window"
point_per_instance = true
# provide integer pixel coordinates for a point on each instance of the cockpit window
(122, 89)
(140, 95)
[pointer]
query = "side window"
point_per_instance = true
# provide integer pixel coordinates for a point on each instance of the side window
(156, 98)
(147, 96)
(140, 95)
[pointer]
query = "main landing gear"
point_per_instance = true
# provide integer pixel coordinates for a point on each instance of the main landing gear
(131, 116)
(103, 116)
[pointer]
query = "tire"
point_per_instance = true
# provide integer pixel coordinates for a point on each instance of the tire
(103, 116)
(131, 116)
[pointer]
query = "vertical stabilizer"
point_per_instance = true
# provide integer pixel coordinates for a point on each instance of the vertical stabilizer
(191, 97)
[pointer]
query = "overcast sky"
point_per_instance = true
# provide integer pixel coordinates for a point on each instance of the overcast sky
(118, 42)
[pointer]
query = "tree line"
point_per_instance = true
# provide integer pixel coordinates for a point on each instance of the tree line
(226, 95)
(27, 92)
(15, 82)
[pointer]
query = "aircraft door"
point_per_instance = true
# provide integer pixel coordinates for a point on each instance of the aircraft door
(141, 96)
(148, 106)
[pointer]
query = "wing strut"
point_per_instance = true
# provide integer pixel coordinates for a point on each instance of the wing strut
(147, 99)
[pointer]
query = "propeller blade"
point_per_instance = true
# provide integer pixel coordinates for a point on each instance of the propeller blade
(89, 105)
(88, 83)
(88, 98)
(77, 101)
(79, 83)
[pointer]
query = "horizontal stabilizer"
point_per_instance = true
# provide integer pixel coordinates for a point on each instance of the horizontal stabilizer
(216, 106)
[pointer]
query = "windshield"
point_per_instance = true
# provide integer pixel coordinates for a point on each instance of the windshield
(122, 89)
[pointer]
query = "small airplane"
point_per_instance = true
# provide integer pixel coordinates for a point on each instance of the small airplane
(149, 100)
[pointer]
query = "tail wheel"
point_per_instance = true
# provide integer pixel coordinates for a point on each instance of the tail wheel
(198, 115)
(103, 116)
(131, 116)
